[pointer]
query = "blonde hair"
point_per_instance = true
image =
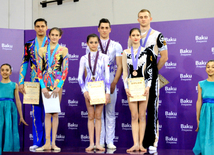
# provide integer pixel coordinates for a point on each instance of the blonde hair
(144, 10)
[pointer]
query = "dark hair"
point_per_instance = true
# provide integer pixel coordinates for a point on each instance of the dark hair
(104, 20)
(58, 29)
(130, 32)
(7, 65)
(40, 20)
(209, 61)
(92, 36)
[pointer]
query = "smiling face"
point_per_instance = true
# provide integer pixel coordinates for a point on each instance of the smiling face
(93, 44)
(210, 68)
(54, 36)
(5, 72)
(135, 36)
(40, 28)
(104, 29)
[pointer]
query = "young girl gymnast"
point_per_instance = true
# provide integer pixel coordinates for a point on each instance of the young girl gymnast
(9, 134)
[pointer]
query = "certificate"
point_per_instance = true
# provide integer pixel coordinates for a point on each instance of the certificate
(51, 104)
(96, 92)
(136, 88)
(163, 81)
(32, 90)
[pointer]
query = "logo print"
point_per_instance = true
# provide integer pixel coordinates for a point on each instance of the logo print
(72, 103)
(186, 127)
(84, 138)
(201, 39)
(126, 126)
(125, 102)
(72, 126)
(72, 79)
(6, 46)
(185, 102)
(84, 45)
(200, 64)
(170, 89)
(73, 57)
(171, 140)
(186, 77)
(170, 114)
(170, 40)
(170, 65)
(185, 52)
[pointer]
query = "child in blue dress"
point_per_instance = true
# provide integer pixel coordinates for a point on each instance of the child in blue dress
(204, 144)
(9, 135)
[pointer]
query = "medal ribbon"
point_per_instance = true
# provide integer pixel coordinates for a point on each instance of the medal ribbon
(51, 57)
(135, 60)
(147, 36)
(95, 63)
(101, 46)
(37, 45)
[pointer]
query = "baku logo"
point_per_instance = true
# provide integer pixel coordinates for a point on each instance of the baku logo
(186, 77)
(200, 64)
(170, 65)
(185, 52)
(186, 127)
(171, 140)
(170, 40)
(201, 39)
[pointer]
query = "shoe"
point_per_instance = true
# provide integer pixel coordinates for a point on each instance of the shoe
(152, 148)
(110, 151)
(56, 148)
(31, 148)
(42, 149)
(103, 145)
(111, 146)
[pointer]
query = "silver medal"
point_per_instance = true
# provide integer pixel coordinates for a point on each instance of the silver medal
(50, 70)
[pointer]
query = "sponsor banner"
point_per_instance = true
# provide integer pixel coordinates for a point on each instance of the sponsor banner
(170, 40)
(171, 140)
(72, 126)
(6, 46)
(200, 64)
(186, 77)
(84, 138)
(186, 127)
(72, 103)
(60, 137)
(84, 114)
(72, 79)
(188, 52)
(170, 114)
(185, 102)
(201, 39)
(61, 115)
(170, 65)
(185, 52)
(126, 126)
(170, 89)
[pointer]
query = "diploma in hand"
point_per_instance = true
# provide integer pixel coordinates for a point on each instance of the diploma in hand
(51, 104)
(32, 90)
(96, 92)
(136, 88)
(163, 81)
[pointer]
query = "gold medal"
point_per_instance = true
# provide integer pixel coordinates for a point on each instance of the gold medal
(134, 73)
